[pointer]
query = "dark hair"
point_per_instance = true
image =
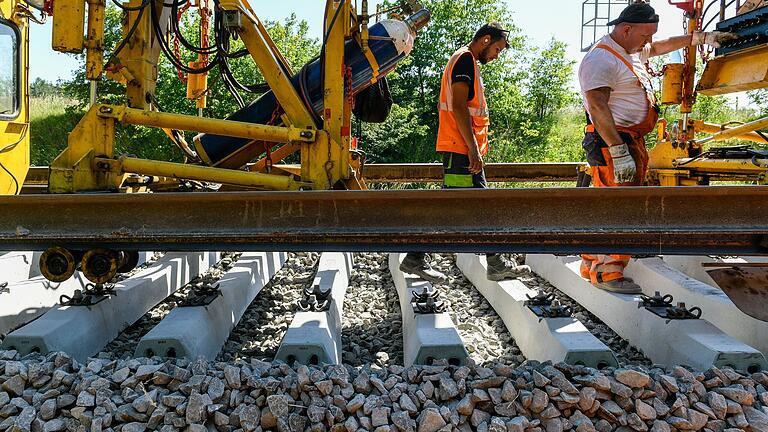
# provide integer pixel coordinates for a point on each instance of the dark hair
(494, 30)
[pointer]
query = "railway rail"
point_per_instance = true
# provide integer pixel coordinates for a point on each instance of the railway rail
(658, 220)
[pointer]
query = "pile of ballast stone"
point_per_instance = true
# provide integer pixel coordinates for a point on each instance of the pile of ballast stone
(54, 393)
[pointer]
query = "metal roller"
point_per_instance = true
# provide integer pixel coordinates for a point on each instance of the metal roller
(100, 265)
(58, 264)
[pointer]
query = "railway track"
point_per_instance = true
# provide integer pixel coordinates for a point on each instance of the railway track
(195, 339)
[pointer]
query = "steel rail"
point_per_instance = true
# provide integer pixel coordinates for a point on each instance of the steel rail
(495, 172)
(425, 173)
(640, 220)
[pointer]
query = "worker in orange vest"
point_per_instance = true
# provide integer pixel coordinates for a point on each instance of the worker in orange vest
(462, 135)
(621, 109)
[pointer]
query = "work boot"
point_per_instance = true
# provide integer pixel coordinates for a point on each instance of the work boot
(620, 286)
(418, 264)
(500, 269)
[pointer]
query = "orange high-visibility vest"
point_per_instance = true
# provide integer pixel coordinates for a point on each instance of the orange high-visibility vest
(448, 137)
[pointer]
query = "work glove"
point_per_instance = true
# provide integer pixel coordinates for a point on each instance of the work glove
(624, 168)
(714, 38)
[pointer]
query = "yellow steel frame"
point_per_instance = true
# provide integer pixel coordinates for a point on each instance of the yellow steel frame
(674, 162)
(14, 131)
(84, 165)
(327, 161)
(742, 71)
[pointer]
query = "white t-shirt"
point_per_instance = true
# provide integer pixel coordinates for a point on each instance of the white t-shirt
(601, 68)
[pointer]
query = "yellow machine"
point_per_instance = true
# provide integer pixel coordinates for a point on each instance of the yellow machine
(14, 96)
(89, 162)
(682, 158)
(310, 111)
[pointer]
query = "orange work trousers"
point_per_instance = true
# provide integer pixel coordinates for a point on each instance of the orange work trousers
(600, 267)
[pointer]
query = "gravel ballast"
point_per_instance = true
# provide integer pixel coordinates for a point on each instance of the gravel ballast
(246, 391)
(54, 393)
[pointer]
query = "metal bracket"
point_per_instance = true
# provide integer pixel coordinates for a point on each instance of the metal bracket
(662, 307)
(233, 20)
(427, 302)
(202, 296)
(545, 305)
(90, 295)
(315, 300)
(4, 288)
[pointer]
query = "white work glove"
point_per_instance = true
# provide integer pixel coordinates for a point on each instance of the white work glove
(714, 38)
(624, 168)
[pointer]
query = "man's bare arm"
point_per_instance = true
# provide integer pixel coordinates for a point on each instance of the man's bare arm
(602, 118)
(666, 46)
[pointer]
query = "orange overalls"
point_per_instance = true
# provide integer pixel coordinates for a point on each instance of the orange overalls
(604, 268)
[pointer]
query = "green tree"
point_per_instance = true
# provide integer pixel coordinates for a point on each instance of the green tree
(416, 84)
(760, 99)
(549, 81)
(42, 88)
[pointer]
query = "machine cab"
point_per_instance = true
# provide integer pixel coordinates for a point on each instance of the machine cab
(14, 116)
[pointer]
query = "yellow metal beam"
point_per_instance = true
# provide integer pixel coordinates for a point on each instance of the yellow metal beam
(194, 172)
(728, 167)
(737, 131)
(94, 42)
(277, 156)
(206, 125)
(327, 161)
(742, 71)
(72, 170)
(712, 128)
(68, 24)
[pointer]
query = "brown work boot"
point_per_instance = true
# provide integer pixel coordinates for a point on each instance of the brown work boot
(500, 269)
(417, 263)
(620, 286)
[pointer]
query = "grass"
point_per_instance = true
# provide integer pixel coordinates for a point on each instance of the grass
(50, 123)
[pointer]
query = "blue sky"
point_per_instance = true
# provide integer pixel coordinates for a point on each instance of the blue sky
(539, 21)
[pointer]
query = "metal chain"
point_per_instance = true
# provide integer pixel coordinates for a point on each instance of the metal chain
(205, 13)
(653, 73)
(177, 45)
(705, 51)
(348, 81)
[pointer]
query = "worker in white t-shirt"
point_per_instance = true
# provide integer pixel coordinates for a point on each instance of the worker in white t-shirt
(621, 110)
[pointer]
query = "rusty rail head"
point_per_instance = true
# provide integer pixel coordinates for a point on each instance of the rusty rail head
(680, 220)
(495, 172)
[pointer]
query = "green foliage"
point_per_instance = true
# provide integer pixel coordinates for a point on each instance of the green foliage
(291, 37)
(40, 88)
(395, 140)
(525, 87)
(50, 122)
(548, 84)
(760, 99)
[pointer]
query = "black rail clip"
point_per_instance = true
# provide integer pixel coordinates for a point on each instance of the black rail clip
(545, 305)
(315, 299)
(4, 288)
(90, 295)
(427, 302)
(202, 296)
(663, 307)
